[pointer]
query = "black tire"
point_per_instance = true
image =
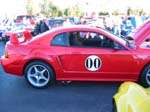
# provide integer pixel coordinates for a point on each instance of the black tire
(39, 74)
(114, 108)
(144, 78)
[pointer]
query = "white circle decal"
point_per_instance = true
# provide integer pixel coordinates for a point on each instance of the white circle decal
(93, 63)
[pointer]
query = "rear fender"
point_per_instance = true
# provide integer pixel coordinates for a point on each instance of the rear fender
(50, 60)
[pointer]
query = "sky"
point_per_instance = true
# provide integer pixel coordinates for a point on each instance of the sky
(105, 4)
(11, 7)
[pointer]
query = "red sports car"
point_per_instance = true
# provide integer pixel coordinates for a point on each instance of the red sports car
(79, 53)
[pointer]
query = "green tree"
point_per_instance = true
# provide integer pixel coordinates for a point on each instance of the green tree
(142, 12)
(44, 7)
(54, 10)
(103, 13)
(131, 11)
(73, 11)
(60, 13)
(115, 12)
(66, 12)
(29, 7)
(48, 9)
(77, 10)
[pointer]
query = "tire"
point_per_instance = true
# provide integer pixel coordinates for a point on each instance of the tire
(144, 79)
(39, 74)
(114, 108)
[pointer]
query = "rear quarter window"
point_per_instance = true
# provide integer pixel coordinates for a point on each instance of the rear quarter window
(60, 40)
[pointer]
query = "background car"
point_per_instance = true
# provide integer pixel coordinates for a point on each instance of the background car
(5, 25)
(78, 53)
(54, 23)
(131, 97)
(26, 18)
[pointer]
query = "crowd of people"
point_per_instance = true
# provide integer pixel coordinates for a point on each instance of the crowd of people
(119, 25)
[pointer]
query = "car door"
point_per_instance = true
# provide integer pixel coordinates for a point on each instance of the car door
(103, 63)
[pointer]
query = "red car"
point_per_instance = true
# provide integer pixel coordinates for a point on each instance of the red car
(20, 19)
(79, 53)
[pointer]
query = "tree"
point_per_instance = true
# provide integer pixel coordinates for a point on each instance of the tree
(29, 7)
(103, 13)
(48, 9)
(66, 12)
(54, 10)
(44, 7)
(60, 13)
(131, 11)
(142, 12)
(115, 12)
(73, 11)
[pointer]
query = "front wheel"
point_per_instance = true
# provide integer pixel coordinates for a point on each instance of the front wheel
(145, 77)
(39, 74)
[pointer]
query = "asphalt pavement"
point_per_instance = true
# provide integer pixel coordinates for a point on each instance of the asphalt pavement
(17, 96)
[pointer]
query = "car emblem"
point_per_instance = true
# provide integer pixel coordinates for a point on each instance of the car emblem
(93, 63)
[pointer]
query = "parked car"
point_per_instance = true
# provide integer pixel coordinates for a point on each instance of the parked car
(78, 53)
(131, 97)
(54, 23)
(22, 18)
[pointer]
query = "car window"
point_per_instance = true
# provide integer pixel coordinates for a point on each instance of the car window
(55, 22)
(60, 40)
(91, 39)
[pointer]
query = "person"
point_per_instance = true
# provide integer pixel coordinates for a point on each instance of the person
(36, 29)
(43, 26)
(117, 21)
(99, 23)
(82, 21)
(109, 23)
(67, 22)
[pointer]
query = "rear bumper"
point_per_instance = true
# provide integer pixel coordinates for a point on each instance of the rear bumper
(12, 66)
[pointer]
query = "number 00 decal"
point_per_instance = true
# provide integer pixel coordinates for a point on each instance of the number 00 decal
(93, 63)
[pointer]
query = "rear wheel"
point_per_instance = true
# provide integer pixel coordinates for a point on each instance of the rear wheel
(145, 77)
(39, 74)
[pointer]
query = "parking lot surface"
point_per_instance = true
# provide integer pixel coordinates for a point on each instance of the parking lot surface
(17, 96)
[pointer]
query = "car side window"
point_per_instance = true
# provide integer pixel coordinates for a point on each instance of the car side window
(89, 39)
(92, 40)
(60, 40)
(84, 39)
(75, 39)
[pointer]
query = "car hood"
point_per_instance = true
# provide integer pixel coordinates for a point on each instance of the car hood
(140, 34)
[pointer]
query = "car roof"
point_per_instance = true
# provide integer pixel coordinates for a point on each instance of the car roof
(76, 27)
